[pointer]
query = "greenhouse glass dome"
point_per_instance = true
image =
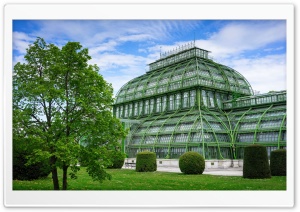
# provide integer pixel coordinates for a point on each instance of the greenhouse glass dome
(188, 102)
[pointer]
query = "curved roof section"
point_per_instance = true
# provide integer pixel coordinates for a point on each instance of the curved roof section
(188, 68)
(194, 128)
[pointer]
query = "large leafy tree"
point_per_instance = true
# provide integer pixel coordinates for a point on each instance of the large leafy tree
(59, 102)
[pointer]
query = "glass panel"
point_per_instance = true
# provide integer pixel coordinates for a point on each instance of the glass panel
(140, 107)
(135, 109)
(177, 101)
(175, 85)
(121, 111)
(149, 139)
(164, 138)
(185, 126)
(283, 137)
(161, 152)
(169, 128)
(185, 100)
(192, 98)
(180, 138)
(126, 111)
(153, 129)
(130, 110)
(171, 102)
(267, 137)
(195, 137)
(151, 105)
(164, 103)
(177, 152)
(158, 105)
(208, 137)
(219, 101)
(136, 140)
(248, 125)
(246, 137)
(270, 124)
(223, 138)
(204, 97)
(211, 98)
(147, 107)
(117, 112)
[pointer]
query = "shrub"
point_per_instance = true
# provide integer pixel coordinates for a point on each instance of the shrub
(278, 162)
(256, 163)
(146, 162)
(23, 147)
(117, 158)
(191, 163)
(31, 172)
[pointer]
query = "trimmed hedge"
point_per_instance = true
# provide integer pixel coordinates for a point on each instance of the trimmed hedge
(278, 162)
(256, 163)
(146, 162)
(191, 163)
(117, 159)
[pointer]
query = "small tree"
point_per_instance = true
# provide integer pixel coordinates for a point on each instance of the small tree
(191, 163)
(278, 162)
(63, 99)
(146, 162)
(256, 163)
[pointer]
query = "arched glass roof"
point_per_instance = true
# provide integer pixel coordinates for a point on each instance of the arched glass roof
(183, 70)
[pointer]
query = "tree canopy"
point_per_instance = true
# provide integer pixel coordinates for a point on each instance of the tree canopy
(60, 102)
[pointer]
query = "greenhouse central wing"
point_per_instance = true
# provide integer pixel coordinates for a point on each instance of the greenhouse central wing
(188, 102)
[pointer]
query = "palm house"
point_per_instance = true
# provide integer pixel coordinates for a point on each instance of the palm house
(188, 102)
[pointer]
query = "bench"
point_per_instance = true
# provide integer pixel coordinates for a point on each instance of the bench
(129, 165)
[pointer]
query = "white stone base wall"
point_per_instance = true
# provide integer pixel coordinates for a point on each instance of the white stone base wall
(209, 164)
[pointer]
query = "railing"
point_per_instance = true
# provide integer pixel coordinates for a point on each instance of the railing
(172, 57)
(255, 100)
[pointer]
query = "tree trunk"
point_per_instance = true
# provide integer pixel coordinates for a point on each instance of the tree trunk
(65, 175)
(54, 173)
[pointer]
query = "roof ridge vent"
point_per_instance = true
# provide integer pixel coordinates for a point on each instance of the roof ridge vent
(177, 50)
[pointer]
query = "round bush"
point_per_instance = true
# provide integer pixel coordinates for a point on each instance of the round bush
(146, 162)
(256, 163)
(117, 158)
(31, 172)
(278, 162)
(191, 163)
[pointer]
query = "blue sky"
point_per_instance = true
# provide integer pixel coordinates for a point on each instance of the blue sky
(123, 48)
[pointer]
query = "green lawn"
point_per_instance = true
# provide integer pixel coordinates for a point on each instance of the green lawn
(124, 179)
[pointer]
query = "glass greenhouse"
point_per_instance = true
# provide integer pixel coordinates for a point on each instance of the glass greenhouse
(188, 102)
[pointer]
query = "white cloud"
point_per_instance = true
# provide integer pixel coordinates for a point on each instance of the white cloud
(236, 38)
(229, 45)
(21, 42)
(265, 73)
(106, 61)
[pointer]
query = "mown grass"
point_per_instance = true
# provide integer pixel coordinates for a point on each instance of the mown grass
(124, 179)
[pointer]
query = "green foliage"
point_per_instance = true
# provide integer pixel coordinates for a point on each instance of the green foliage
(278, 162)
(191, 163)
(58, 98)
(21, 171)
(24, 146)
(117, 159)
(256, 163)
(146, 162)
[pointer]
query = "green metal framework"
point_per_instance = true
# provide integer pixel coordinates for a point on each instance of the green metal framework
(187, 102)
